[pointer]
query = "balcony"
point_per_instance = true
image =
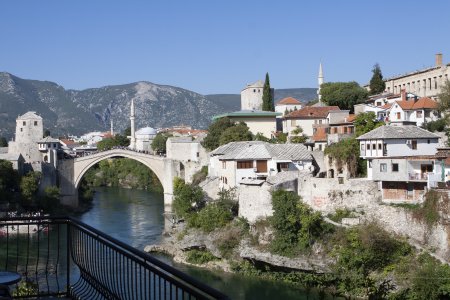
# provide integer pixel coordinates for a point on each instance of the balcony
(418, 176)
(62, 257)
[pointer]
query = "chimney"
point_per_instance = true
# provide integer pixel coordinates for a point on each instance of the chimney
(403, 94)
(439, 60)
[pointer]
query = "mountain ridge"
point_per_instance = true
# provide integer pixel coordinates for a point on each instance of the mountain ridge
(71, 111)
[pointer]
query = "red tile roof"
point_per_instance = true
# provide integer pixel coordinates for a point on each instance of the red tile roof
(351, 118)
(386, 106)
(320, 135)
(422, 103)
(289, 100)
(312, 112)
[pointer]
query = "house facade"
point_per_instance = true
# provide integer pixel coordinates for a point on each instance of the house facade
(306, 118)
(286, 105)
(253, 161)
(400, 158)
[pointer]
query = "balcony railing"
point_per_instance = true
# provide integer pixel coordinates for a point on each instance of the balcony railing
(418, 176)
(62, 257)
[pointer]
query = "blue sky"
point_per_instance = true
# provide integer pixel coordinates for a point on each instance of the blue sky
(218, 46)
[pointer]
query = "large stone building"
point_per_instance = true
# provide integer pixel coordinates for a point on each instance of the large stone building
(424, 83)
(251, 96)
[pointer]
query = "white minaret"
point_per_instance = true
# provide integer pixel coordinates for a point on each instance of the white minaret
(320, 81)
(133, 136)
(112, 127)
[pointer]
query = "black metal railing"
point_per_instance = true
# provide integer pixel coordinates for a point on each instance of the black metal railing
(60, 256)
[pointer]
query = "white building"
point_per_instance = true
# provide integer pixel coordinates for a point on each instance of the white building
(414, 110)
(144, 138)
(306, 118)
(244, 162)
(287, 105)
(92, 138)
(400, 158)
(49, 148)
(425, 82)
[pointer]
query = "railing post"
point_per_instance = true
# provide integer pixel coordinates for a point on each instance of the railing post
(69, 245)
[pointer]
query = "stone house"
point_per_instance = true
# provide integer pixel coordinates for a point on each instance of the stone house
(306, 118)
(400, 159)
(258, 121)
(252, 162)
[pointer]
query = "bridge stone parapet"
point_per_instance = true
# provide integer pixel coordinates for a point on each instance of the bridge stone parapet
(71, 171)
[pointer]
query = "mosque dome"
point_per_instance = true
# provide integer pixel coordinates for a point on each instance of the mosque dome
(146, 131)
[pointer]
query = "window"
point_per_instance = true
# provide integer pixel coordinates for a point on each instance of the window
(245, 164)
(254, 90)
(428, 141)
(224, 164)
(368, 146)
(419, 114)
(374, 146)
(383, 167)
(320, 147)
(226, 180)
(398, 116)
(362, 147)
(414, 144)
(198, 154)
(370, 163)
(35, 123)
(379, 146)
(21, 129)
(427, 114)
(394, 167)
(24, 123)
(292, 122)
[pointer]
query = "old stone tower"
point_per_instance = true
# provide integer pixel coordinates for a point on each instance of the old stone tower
(251, 96)
(29, 130)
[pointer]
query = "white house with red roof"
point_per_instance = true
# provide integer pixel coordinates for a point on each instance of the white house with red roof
(418, 110)
(306, 118)
(287, 105)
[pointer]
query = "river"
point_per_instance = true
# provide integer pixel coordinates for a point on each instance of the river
(136, 218)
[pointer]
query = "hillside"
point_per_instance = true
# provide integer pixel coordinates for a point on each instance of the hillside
(77, 112)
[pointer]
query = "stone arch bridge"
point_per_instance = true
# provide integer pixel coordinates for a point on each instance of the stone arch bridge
(71, 171)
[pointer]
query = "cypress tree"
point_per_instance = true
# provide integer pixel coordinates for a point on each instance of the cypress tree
(377, 84)
(267, 98)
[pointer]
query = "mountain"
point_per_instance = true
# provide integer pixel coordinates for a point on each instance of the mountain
(77, 112)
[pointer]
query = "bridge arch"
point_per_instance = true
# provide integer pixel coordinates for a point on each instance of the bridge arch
(84, 167)
(71, 171)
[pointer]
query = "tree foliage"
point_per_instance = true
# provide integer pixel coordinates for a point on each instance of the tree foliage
(366, 122)
(3, 142)
(187, 198)
(342, 94)
(223, 131)
(215, 130)
(444, 97)
(29, 186)
(296, 226)
(297, 136)
(159, 142)
(267, 96)
(377, 84)
(9, 180)
(236, 133)
(118, 140)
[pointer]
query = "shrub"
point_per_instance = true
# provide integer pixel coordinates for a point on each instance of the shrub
(212, 216)
(339, 214)
(187, 198)
(200, 175)
(199, 257)
(296, 226)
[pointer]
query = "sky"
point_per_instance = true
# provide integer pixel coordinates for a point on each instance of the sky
(214, 47)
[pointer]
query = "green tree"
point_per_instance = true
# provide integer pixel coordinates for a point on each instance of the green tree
(366, 122)
(444, 97)
(3, 142)
(127, 131)
(9, 180)
(297, 136)
(215, 130)
(159, 142)
(46, 132)
(50, 199)
(236, 133)
(343, 94)
(29, 186)
(187, 198)
(109, 143)
(267, 97)
(377, 84)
